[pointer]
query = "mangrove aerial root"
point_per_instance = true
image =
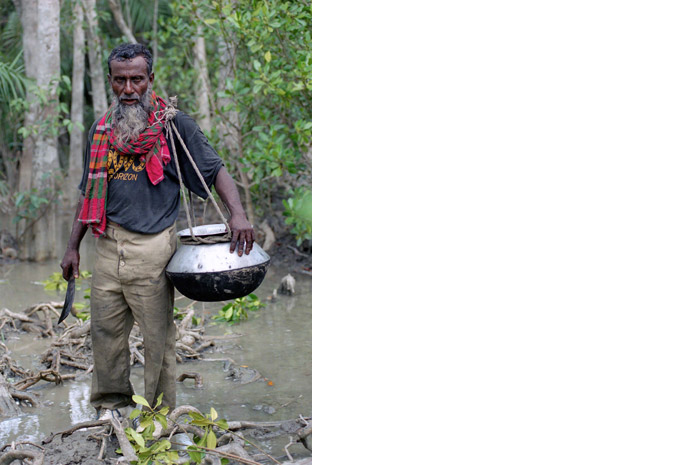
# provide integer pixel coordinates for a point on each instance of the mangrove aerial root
(79, 426)
(37, 458)
(198, 379)
(231, 441)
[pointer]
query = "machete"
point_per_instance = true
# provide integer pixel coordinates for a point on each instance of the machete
(69, 296)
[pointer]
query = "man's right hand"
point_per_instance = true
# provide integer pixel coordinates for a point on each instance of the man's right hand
(71, 264)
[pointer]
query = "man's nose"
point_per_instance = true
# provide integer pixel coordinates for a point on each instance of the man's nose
(129, 88)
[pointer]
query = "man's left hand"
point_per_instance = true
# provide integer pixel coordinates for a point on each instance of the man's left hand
(243, 235)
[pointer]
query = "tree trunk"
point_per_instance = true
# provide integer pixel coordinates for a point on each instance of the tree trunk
(94, 54)
(115, 6)
(42, 20)
(204, 88)
(30, 49)
(154, 45)
(76, 107)
(231, 133)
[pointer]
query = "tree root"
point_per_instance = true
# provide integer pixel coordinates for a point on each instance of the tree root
(7, 458)
(126, 447)
(79, 426)
(231, 444)
(24, 397)
(198, 379)
(47, 375)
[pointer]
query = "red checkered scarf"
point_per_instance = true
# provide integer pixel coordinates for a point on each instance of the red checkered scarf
(151, 142)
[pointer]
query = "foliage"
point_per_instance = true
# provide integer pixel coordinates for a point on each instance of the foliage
(236, 311)
(30, 205)
(152, 451)
(55, 282)
(299, 213)
(48, 124)
(13, 82)
(272, 84)
(262, 97)
(147, 449)
(259, 57)
(208, 440)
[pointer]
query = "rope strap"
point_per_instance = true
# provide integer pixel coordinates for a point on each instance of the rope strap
(170, 128)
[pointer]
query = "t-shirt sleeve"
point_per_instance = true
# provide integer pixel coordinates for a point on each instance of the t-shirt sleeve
(206, 158)
(86, 158)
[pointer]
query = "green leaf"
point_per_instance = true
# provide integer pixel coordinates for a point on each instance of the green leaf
(162, 420)
(203, 422)
(195, 455)
(138, 438)
(214, 414)
(140, 400)
(161, 446)
(267, 56)
(134, 413)
(211, 440)
(159, 400)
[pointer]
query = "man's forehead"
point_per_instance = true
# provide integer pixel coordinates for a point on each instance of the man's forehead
(136, 65)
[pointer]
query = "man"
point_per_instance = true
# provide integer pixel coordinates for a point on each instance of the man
(130, 199)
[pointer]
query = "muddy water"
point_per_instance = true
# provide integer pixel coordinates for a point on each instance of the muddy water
(276, 341)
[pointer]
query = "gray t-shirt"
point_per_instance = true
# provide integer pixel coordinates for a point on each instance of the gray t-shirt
(132, 200)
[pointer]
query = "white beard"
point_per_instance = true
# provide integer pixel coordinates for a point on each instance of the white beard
(129, 121)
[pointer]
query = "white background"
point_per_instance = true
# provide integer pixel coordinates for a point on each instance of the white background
(505, 232)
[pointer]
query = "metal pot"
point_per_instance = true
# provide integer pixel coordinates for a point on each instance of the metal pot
(209, 272)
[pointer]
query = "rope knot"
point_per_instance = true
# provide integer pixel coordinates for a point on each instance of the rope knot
(169, 112)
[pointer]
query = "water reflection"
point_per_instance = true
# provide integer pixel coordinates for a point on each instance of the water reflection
(79, 403)
(20, 428)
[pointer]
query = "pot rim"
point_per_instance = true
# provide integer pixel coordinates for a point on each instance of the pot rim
(204, 230)
(234, 270)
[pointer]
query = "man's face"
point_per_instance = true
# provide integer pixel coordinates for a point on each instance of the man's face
(129, 80)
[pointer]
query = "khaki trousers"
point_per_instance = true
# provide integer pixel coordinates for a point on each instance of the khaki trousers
(129, 283)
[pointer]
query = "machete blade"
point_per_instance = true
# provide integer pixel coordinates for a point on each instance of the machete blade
(69, 296)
